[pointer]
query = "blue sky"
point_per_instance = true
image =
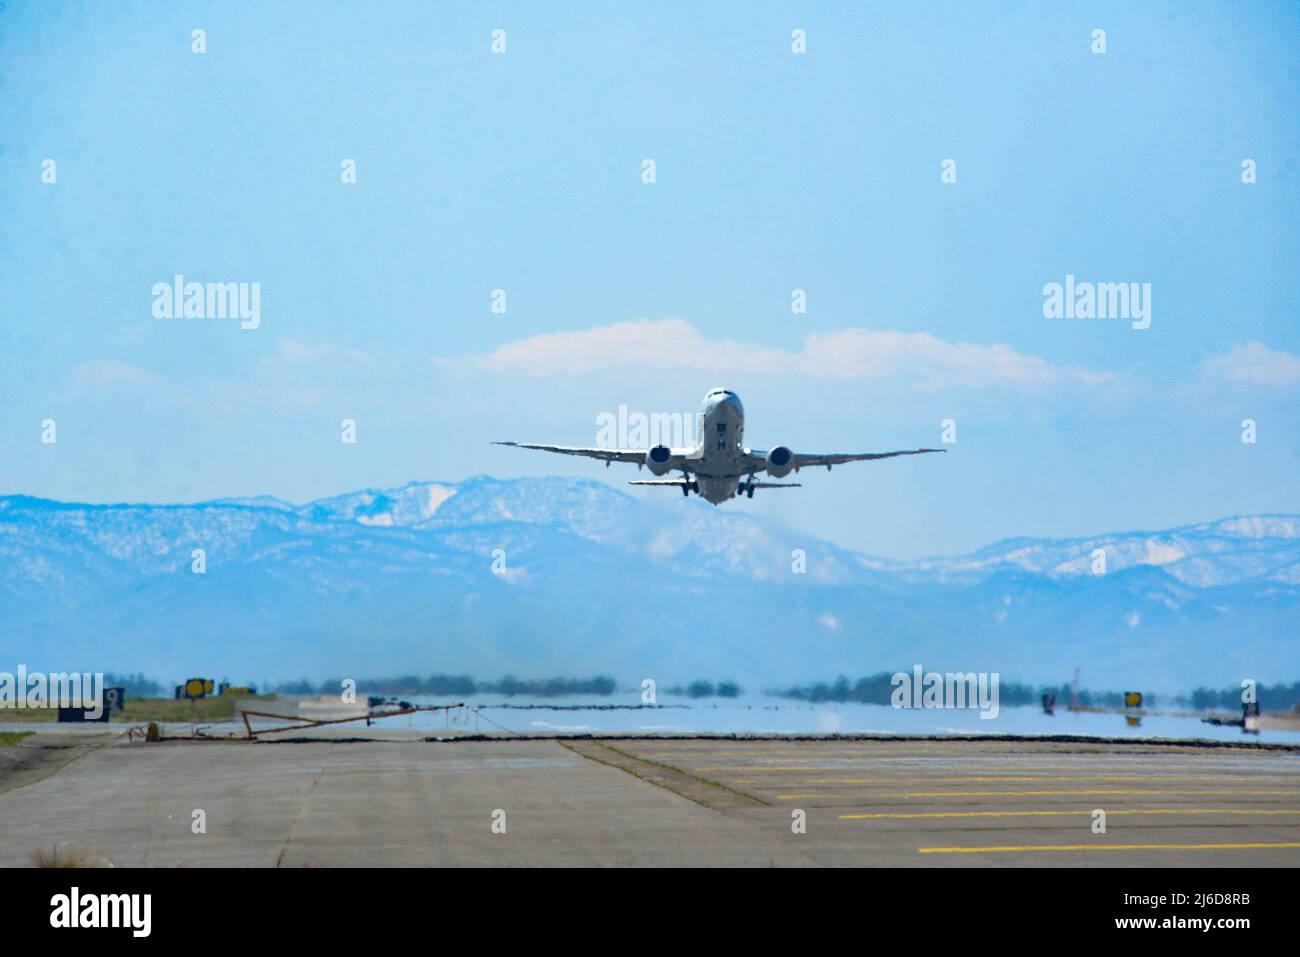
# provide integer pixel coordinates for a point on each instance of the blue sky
(775, 171)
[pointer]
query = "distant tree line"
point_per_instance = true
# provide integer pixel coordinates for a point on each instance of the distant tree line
(136, 685)
(878, 689)
(873, 689)
(459, 685)
(706, 689)
(463, 685)
(1270, 697)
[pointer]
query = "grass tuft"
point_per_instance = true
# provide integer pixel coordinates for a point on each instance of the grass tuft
(68, 855)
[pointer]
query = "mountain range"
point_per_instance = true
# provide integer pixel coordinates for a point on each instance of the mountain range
(550, 576)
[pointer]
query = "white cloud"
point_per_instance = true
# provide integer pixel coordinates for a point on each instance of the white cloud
(1254, 363)
(299, 353)
(854, 353)
(113, 372)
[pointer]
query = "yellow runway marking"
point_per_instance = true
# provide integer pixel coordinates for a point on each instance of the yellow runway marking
(1151, 778)
(1099, 847)
(913, 814)
(1288, 768)
(1091, 791)
(736, 769)
(894, 771)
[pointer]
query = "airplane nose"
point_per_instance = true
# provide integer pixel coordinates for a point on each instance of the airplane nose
(719, 398)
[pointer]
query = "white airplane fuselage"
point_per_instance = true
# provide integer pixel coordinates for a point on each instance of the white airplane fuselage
(717, 456)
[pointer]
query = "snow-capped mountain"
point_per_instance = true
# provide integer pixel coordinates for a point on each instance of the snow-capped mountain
(1212, 553)
(556, 576)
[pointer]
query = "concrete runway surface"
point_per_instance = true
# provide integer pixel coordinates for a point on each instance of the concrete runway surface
(403, 801)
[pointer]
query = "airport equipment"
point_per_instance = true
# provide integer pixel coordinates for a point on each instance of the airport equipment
(81, 713)
(322, 722)
(114, 700)
(1249, 721)
(1250, 717)
(195, 688)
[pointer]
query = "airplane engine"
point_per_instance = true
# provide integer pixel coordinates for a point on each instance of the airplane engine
(779, 462)
(657, 459)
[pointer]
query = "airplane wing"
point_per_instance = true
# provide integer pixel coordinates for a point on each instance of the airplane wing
(756, 461)
(687, 486)
(678, 483)
(635, 456)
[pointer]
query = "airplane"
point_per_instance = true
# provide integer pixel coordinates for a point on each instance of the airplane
(719, 467)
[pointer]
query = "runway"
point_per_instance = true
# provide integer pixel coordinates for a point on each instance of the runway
(400, 800)
(966, 803)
